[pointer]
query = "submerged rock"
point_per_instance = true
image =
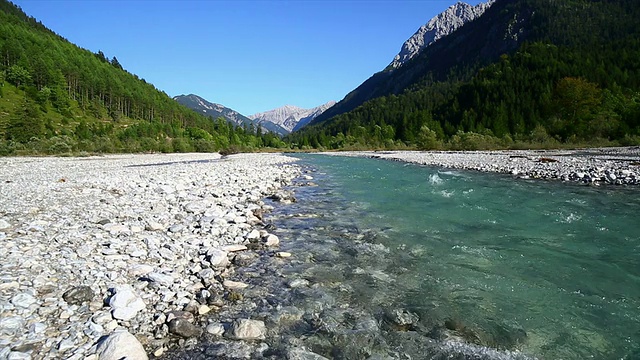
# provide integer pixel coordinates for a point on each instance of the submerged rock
(247, 329)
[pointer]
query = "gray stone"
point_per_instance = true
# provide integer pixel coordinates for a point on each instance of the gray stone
(218, 258)
(234, 285)
(140, 269)
(121, 345)
(184, 328)
(301, 354)
(271, 240)
(4, 224)
(154, 226)
(176, 228)
(125, 303)
(162, 279)
(10, 325)
(78, 295)
(23, 300)
(402, 317)
(16, 355)
(215, 329)
(247, 329)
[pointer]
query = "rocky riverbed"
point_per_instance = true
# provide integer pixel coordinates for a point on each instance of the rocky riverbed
(127, 254)
(616, 166)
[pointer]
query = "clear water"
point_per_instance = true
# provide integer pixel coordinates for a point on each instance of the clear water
(547, 269)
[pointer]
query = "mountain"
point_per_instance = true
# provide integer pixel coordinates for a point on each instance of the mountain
(56, 97)
(524, 73)
(290, 117)
(438, 27)
(389, 80)
(215, 111)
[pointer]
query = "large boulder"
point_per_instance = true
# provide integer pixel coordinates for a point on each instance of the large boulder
(121, 345)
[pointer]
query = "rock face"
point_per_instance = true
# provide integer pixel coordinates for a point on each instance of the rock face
(438, 27)
(291, 117)
(121, 345)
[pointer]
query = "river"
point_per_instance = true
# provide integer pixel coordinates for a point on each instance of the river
(474, 263)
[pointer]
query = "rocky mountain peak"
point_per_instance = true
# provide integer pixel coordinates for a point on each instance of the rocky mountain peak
(291, 117)
(438, 27)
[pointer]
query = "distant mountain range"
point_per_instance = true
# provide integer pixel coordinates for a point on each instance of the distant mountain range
(290, 117)
(215, 111)
(282, 120)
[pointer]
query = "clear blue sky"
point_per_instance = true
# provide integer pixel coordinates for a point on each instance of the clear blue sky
(251, 56)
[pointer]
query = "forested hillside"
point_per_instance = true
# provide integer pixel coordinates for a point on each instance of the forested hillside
(526, 73)
(56, 97)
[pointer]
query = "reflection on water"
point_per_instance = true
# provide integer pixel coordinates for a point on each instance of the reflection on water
(482, 262)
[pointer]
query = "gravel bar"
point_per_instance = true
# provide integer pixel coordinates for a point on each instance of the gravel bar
(120, 255)
(614, 166)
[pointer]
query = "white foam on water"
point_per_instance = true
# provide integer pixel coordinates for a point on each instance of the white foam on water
(446, 193)
(434, 179)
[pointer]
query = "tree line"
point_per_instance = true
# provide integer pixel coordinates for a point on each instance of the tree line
(56, 96)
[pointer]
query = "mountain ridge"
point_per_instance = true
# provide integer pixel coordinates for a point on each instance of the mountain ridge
(438, 27)
(539, 71)
(291, 117)
(386, 81)
(215, 110)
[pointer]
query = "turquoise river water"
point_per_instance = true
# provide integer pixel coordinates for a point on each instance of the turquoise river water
(543, 269)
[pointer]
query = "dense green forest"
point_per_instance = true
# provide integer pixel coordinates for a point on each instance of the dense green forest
(573, 78)
(56, 97)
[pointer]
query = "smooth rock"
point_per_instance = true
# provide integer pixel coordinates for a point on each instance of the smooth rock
(140, 269)
(234, 285)
(10, 325)
(272, 240)
(162, 279)
(218, 258)
(247, 329)
(16, 355)
(4, 224)
(125, 303)
(23, 300)
(184, 328)
(78, 295)
(215, 329)
(234, 247)
(153, 226)
(301, 354)
(283, 254)
(121, 345)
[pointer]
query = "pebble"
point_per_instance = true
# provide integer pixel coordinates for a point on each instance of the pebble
(215, 329)
(130, 231)
(234, 285)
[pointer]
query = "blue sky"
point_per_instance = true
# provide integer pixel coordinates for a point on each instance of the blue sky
(251, 56)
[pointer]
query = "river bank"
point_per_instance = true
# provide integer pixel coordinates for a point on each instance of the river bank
(128, 244)
(617, 166)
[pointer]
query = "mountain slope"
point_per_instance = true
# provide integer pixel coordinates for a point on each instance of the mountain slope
(526, 70)
(56, 97)
(290, 117)
(438, 27)
(213, 110)
(468, 48)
